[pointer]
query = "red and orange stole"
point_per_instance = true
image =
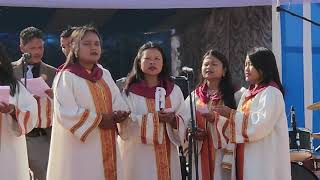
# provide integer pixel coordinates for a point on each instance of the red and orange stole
(245, 107)
(207, 150)
(162, 151)
(103, 103)
(240, 147)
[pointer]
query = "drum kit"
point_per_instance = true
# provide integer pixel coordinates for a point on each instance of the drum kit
(305, 161)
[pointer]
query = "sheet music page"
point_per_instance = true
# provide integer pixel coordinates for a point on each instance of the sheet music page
(4, 94)
(37, 86)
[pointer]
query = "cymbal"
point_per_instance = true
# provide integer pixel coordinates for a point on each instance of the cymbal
(316, 135)
(314, 106)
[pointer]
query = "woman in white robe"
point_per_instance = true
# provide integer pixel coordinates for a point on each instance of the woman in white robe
(18, 116)
(88, 107)
(215, 88)
(258, 128)
(156, 127)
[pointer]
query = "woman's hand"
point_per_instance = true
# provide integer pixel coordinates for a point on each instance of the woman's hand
(49, 92)
(6, 108)
(200, 134)
(168, 117)
(208, 116)
(120, 116)
(223, 110)
(108, 121)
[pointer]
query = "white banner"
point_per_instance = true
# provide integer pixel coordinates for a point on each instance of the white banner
(141, 4)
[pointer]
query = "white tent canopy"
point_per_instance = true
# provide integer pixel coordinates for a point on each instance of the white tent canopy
(141, 4)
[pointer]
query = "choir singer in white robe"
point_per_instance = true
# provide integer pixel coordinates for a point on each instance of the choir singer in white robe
(18, 116)
(156, 127)
(215, 88)
(258, 128)
(88, 108)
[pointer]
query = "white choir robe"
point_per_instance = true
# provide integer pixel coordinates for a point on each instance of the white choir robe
(218, 131)
(13, 149)
(76, 149)
(264, 132)
(138, 148)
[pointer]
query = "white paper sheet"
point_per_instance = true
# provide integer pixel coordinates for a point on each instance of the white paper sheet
(37, 86)
(4, 94)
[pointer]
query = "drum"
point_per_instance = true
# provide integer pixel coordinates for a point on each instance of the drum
(300, 144)
(298, 172)
(313, 164)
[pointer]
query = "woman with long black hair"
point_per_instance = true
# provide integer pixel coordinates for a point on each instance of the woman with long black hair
(258, 128)
(18, 116)
(215, 88)
(156, 127)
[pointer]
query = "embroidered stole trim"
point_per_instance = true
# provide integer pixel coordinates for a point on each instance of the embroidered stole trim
(207, 150)
(49, 113)
(39, 111)
(144, 129)
(240, 147)
(103, 103)
(162, 151)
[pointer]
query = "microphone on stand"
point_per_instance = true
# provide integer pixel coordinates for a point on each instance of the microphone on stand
(192, 144)
(25, 59)
(187, 69)
(183, 164)
(181, 81)
(121, 83)
(160, 98)
(179, 78)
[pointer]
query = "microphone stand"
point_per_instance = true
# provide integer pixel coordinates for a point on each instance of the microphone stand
(192, 144)
(25, 59)
(182, 158)
(24, 71)
(296, 135)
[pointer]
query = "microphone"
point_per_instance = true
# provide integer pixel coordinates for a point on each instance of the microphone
(179, 78)
(160, 98)
(26, 57)
(187, 69)
(121, 82)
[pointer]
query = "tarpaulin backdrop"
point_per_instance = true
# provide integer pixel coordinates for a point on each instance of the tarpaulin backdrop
(300, 51)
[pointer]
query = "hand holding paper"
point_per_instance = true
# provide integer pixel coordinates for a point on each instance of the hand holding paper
(4, 94)
(37, 86)
(203, 109)
(6, 108)
(160, 98)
